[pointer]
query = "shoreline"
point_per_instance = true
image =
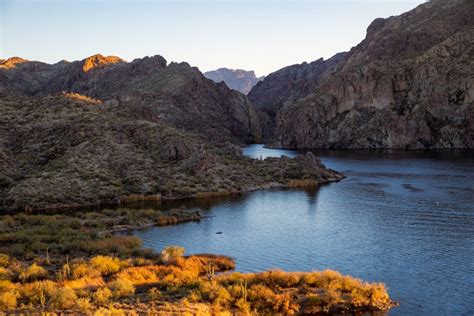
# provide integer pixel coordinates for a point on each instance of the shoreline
(162, 282)
(134, 198)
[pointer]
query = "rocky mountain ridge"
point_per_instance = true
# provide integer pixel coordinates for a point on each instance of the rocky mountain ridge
(176, 93)
(408, 84)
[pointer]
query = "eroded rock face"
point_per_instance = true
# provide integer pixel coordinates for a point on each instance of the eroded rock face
(291, 83)
(286, 85)
(238, 79)
(409, 84)
(176, 93)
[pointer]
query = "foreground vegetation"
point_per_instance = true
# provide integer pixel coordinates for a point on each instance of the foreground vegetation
(29, 236)
(174, 283)
(74, 263)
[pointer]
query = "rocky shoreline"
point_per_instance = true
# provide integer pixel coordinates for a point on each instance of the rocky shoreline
(126, 201)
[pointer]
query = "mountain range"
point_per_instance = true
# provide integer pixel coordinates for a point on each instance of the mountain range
(101, 129)
(175, 93)
(409, 84)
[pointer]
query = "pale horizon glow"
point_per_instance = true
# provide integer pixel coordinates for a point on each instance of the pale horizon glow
(260, 35)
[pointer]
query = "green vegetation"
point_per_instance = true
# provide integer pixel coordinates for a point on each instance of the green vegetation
(30, 236)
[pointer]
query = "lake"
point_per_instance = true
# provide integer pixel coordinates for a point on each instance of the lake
(405, 218)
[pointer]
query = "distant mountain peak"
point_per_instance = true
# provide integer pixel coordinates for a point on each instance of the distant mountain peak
(99, 60)
(237, 79)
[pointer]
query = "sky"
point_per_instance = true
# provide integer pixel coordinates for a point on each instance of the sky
(260, 35)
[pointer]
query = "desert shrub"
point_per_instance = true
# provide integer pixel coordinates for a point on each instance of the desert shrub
(205, 290)
(121, 245)
(278, 279)
(377, 294)
(221, 297)
(358, 298)
(82, 292)
(8, 300)
(84, 304)
(190, 268)
(8, 295)
(324, 279)
(6, 285)
(122, 288)
(63, 298)
(33, 273)
(194, 296)
(105, 265)
(5, 274)
(171, 254)
(81, 269)
(201, 261)
(4, 260)
(330, 297)
(262, 297)
(153, 294)
(38, 292)
(102, 295)
(285, 305)
(148, 274)
(232, 278)
(84, 283)
(140, 261)
(242, 305)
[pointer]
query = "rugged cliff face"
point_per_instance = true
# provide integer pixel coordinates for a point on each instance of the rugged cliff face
(285, 85)
(69, 149)
(176, 93)
(409, 84)
(238, 79)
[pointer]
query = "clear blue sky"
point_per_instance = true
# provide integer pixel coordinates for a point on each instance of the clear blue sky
(263, 35)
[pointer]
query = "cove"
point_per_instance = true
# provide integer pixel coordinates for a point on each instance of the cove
(402, 218)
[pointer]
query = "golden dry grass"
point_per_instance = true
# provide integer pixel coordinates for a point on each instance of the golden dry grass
(183, 282)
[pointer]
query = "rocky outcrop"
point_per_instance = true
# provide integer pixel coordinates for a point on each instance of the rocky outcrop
(11, 62)
(177, 94)
(408, 84)
(291, 83)
(67, 150)
(238, 79)
(98, 60)
(285, 85)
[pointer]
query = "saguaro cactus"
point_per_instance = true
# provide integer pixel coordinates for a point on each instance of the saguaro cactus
(210, 270)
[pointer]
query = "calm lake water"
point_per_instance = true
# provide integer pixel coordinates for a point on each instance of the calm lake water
(402, 218)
